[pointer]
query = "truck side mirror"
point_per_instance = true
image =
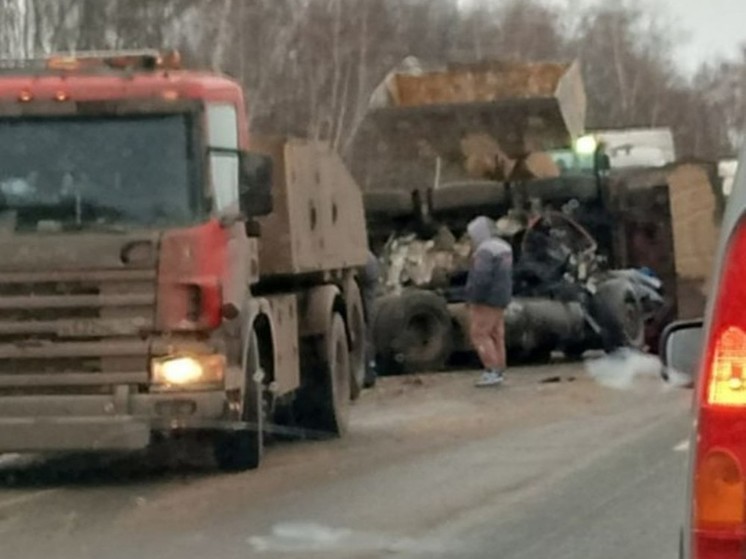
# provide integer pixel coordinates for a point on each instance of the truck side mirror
(255, 185)
(681, 346)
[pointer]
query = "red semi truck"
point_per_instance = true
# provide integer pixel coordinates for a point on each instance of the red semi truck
(162, 271)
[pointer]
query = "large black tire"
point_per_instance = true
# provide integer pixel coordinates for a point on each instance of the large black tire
(485, 195)
(563, 189)
(575, 352)
(242, 449)
(619, 313)
(388, 203)
(324, 399)
(357, 337)
(413, 332)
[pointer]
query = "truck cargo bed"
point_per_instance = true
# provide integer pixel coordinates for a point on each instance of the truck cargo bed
(318, 221)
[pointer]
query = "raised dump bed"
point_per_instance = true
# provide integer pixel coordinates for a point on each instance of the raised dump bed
(498, 109)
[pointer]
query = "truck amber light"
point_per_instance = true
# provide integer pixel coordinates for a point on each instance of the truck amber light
(170, 95)
(61, 96)
(25, 96)
(727, 384)
(719, 492)
(67, 63)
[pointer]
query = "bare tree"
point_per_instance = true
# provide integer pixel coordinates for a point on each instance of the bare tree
(310, 66)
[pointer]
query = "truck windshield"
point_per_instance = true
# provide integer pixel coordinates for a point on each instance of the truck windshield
(82, 173)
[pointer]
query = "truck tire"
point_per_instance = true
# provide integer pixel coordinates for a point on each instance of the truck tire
(563, 189)
(486, 195)
(242, 449)
(357, 337)
(619, 313)
(574, 352)
(324, 399)
(388, 203)
(413, 332)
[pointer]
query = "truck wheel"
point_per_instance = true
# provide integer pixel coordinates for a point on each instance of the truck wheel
(357, 334)
(563, 189)
(242, 449)
(388, 203)
(619, 314)
(324, 400)
(574, 352)
(414, 332)
(487, 195)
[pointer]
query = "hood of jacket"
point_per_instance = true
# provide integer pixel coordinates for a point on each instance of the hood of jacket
(481, 229)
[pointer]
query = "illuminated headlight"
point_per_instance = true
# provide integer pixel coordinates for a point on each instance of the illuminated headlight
(586, 145)
(186, 371)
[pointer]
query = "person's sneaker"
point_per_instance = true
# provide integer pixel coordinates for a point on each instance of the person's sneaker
(490, 378)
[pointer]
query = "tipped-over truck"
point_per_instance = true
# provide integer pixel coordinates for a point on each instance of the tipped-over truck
(440, 146)
(163, 272)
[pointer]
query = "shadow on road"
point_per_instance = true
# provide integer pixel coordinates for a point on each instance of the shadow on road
(165, 461)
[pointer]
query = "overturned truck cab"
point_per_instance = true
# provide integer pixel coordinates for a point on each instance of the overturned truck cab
(564, 298)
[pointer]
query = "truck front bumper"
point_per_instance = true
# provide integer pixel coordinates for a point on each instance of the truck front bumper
(122, 421)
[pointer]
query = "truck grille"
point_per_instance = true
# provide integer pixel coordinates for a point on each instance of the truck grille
(75, 329)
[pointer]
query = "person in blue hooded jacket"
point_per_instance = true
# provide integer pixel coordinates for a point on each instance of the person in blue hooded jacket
(489, 289)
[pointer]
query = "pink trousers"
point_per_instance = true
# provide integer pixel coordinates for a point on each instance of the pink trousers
(487, 333)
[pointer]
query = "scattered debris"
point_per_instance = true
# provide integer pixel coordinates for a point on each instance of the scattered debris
(414, 381)
(557, 379)
(310, 537)
(623, 368)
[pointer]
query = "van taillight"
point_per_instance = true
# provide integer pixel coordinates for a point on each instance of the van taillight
(726, 385)
(719, 487)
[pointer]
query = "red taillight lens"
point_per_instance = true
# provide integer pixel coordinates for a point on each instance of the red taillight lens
(726, 385)
(714, 548)
(724, 374)
(719, 508)
(719, 490)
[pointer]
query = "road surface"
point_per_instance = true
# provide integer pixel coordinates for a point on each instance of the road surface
(431, 468)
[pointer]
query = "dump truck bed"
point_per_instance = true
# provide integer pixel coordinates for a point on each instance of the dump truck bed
(414, 118)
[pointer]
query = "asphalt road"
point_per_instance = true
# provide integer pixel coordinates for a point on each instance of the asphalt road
(432, 468)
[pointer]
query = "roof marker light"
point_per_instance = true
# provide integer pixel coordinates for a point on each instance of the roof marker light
(61, 62)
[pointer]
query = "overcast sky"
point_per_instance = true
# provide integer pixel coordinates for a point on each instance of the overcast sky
(714, 26)
(711, 27)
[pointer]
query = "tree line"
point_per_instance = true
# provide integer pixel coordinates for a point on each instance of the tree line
(310, 66)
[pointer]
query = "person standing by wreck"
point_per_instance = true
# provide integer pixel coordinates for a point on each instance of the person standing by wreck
(489, 289)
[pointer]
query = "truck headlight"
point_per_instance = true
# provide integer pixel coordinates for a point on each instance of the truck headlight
(185, 371)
